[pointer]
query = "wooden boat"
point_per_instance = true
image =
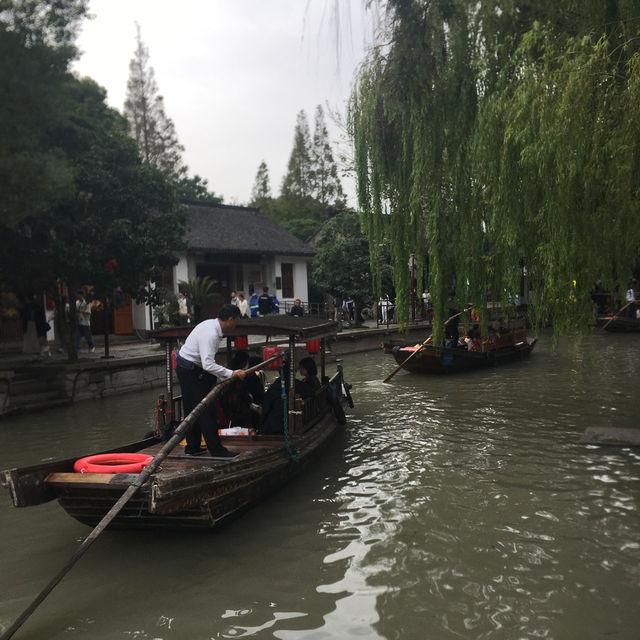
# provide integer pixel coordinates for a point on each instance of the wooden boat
(619, 324)
(513, 345)
(202, 492)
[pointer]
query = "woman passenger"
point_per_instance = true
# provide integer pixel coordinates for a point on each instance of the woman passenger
(309, 384)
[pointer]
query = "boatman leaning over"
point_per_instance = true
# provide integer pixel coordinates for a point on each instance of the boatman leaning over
(198, 372)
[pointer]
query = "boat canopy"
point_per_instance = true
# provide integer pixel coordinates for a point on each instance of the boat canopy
(301, 329)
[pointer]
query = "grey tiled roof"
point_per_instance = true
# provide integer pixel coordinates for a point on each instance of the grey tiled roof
(225, 228)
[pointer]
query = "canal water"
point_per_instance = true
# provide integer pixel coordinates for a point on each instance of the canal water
(450, 507)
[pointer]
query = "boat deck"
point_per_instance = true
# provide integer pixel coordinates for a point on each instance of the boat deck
(177, 460)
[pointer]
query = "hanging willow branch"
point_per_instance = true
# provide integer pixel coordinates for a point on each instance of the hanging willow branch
(503, 143)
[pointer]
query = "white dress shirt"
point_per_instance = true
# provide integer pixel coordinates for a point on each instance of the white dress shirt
(201, 347)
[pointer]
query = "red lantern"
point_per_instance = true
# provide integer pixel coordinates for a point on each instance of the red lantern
(241, 342)
(313, 346)
(269, 352)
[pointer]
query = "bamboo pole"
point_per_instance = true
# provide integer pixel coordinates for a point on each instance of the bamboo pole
(615, 315)
(144, 475)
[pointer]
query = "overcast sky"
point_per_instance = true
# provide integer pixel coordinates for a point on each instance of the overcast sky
(233, 74)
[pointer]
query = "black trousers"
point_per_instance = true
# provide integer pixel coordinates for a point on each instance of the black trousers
(195, 384)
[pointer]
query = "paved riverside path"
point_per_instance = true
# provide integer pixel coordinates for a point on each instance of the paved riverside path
(129, 346)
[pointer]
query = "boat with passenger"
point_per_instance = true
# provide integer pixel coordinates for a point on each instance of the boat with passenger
(203, 492)
(620, 323)
(469, 353)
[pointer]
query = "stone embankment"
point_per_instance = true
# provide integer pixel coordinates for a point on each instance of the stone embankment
(29, 383)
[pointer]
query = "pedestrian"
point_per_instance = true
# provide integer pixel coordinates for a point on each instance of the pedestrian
(297, 309)
(265, 303)
(234, 299)
(35, 328)
(243, 305)
(184, 310)
(384, 309)
(83, 312)
(198, 372)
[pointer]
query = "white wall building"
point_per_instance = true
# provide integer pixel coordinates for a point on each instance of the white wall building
(241, 250)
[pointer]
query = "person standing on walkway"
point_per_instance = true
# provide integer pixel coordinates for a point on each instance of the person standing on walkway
(184, 310)
(297, 309)
(198, 372)
(265, 303)
(83, 312)
(243, 305)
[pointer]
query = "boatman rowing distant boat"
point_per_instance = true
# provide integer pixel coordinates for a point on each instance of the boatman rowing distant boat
(198, 372)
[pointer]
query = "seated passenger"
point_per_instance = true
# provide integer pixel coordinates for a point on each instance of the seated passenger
(474, 341)
(253, 386)
(273, 406)
(309, 384)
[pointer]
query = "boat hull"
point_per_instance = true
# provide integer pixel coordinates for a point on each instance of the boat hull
(441, 360)
(186, 493)
(621, 324)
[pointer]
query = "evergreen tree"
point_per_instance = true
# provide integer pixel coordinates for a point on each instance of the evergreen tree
(36, 47)
(326, 184)
(298, 180)
(149, 125)
(195, 188)
(262, 187)
(97, 215)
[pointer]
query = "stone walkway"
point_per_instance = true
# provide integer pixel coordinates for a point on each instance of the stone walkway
(120, 347)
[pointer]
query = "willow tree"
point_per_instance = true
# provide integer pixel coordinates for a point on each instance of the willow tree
(502, 140)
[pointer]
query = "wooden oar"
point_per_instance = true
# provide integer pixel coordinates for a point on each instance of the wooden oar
(615, 315)
(422, 346)
(177, 436)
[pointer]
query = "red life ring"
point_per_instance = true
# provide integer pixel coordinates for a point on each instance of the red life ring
(112, 463)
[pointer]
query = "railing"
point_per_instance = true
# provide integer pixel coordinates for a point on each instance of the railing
(311, 309)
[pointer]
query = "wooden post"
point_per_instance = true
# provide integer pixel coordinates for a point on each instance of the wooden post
(291, 385)
(168, 412)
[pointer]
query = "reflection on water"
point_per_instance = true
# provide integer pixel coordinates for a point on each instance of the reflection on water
(453, 507)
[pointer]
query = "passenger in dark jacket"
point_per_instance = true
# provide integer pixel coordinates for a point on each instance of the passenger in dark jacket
(297, 309)
(309, 384)
(273, 406)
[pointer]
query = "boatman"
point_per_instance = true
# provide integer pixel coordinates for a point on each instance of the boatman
(198, 372)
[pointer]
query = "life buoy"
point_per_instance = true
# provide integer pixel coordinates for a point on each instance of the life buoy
(112, 463)
(336, 405)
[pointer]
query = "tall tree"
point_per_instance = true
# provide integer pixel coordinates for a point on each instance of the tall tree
(326, 184)
(97, 215)
(341, 264)
(262, 186)
(298, 179)
(149, 125)
(36, 46)
(504, 138)
(195, 188)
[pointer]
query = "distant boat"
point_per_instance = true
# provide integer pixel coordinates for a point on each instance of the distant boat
(619, 324)
(510, 346)
(202, 492)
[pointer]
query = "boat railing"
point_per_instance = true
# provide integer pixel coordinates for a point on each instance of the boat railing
(309, 410)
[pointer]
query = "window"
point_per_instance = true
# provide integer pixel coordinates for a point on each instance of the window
(287, 280)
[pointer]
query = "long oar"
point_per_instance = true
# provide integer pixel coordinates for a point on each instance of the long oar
(177, 436)
(615, 315)
(422, 346)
